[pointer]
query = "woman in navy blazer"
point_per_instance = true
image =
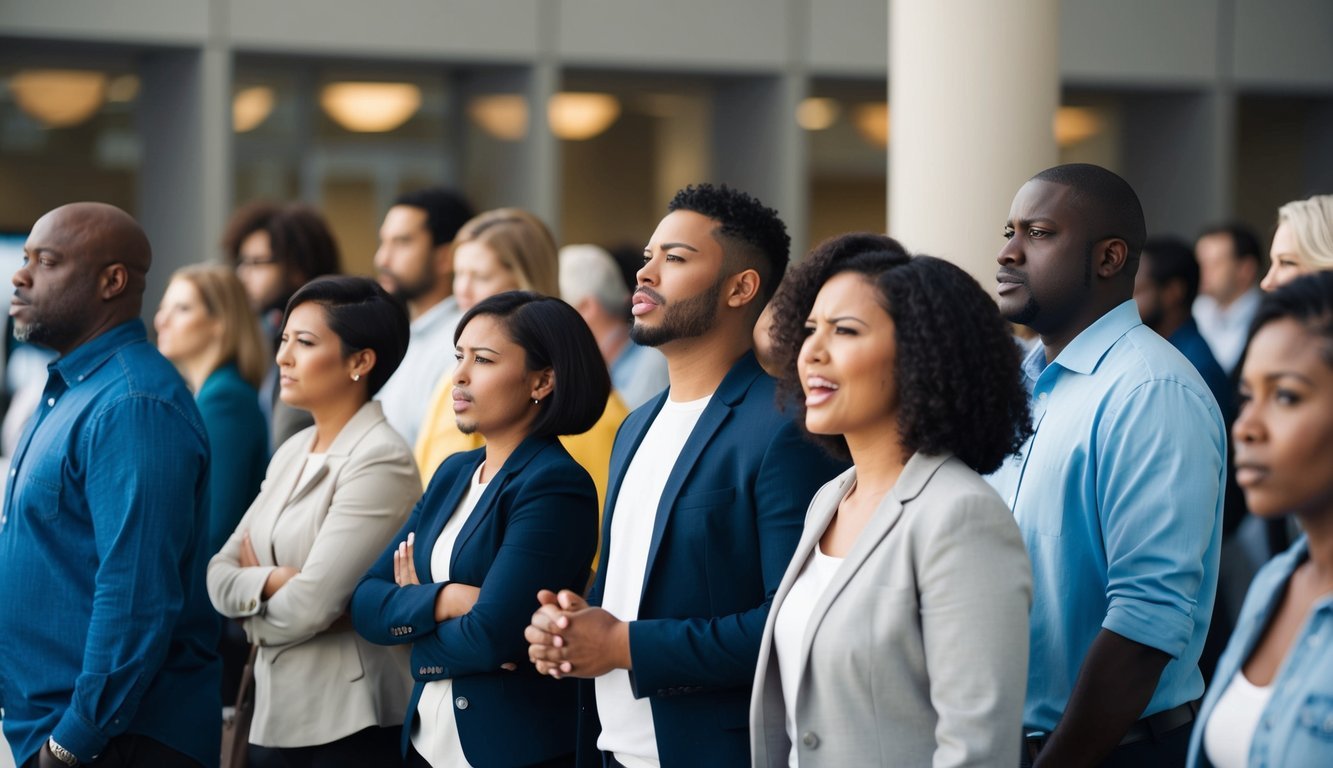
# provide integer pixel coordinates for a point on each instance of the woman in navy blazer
(496, 525)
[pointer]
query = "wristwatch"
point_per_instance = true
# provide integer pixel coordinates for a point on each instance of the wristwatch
(60, 753)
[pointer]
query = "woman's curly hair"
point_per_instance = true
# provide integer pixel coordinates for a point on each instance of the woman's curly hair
(957, 367)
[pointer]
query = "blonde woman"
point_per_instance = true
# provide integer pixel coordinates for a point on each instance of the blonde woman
(1303, 242)
(205, 327)
(507, 249)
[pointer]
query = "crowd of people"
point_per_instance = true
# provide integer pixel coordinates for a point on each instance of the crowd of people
(701, 509)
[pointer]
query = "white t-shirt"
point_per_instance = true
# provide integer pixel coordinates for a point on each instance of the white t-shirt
(1230, 730)
(789, 630)
(627, 722)
(435, 732)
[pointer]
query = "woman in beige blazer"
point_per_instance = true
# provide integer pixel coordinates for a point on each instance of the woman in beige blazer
(332, 499)
(898, 636)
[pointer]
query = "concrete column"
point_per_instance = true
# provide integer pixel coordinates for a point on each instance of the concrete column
(186, 175)
(973, 88)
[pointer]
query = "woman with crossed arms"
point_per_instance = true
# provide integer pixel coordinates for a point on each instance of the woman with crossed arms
(333, 497)
(497, 524)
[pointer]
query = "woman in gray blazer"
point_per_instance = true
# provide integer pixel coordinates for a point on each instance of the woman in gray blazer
(898, 636)
(332, 499)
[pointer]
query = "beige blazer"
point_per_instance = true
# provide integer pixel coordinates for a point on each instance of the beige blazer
(316, 680)
(916, 654)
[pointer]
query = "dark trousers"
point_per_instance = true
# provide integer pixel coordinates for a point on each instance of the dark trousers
(368, 748)
(415, 760)
(1167, 750)
(131, 750)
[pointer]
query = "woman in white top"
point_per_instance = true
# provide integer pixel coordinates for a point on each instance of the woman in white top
(496, 525)
(333, 497)
(898, 636)
(1271, 700)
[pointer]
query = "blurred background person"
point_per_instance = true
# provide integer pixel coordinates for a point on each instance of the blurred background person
(1269, 703)
(332, 499)
(276, 249)
(1166, 286)
(899, 633)
(1303, 242)
(496, 525)
(205, 328)
(591, 282)
(415, 263)
(1229, 265)
(508, 249)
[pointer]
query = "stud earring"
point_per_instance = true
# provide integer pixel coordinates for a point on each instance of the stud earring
(535, 401)
(356, 377)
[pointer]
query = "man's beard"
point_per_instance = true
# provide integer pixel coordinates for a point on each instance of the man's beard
(685, 319)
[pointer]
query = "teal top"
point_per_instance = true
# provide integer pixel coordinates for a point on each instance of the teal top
(239, 439)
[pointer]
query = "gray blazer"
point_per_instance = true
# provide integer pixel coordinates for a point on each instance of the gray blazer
(316, 680)
(916, 654)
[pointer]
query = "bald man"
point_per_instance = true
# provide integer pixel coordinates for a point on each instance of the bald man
(106, 632)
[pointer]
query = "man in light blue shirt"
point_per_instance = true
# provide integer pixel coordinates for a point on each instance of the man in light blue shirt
(1117, 492)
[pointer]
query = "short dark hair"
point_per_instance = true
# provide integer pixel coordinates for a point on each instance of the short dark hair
(553, 335)
(1244, 243)
(364, 316)
(1308, 300)
(1170, 258)
(298, 234)
(446, 211)
(957, 369)
(752, 235)
(1113, 204)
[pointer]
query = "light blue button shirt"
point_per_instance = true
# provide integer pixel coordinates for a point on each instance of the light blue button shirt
(1118, 495)
(1296, 727)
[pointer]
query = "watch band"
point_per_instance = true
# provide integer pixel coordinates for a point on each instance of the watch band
(60, 753)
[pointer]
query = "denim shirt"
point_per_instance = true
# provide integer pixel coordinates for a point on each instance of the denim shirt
(1296, 728)
(105, 626)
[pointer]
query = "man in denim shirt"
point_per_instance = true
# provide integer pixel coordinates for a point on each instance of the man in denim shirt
(106, 633)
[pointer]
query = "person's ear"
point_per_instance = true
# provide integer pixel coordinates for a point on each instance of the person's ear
(113, 281)
(543, 384)
(742, 288)
(1109, 257)
(360, 364)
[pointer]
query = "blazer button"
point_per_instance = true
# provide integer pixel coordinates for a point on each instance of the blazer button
(810, 739)
(460, 702)
(421, 671)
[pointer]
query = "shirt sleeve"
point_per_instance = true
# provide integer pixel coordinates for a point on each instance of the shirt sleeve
(145, 523)
(370, 503)
(1162, 455)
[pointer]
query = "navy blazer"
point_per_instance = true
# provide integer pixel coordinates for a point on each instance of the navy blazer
(534, 527)
(728, 521)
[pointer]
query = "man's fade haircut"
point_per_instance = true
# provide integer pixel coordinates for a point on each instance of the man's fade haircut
(446, 211)
(1110, 200)
(1244, 243)
(751, 234)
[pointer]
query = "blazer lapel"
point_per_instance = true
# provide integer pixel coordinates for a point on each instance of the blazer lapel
(448, 505)
(733, 387)
(631, 433)
(517, 460)
(916, 473)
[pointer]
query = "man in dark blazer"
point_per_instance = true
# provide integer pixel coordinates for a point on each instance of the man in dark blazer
(708, 492)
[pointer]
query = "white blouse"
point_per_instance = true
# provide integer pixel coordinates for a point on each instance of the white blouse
(1230, 729)
(789, 630)
(435, 732)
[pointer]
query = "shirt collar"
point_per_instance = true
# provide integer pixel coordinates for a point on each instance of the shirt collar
(83, 360)
(436, 315)
(1089, 347)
